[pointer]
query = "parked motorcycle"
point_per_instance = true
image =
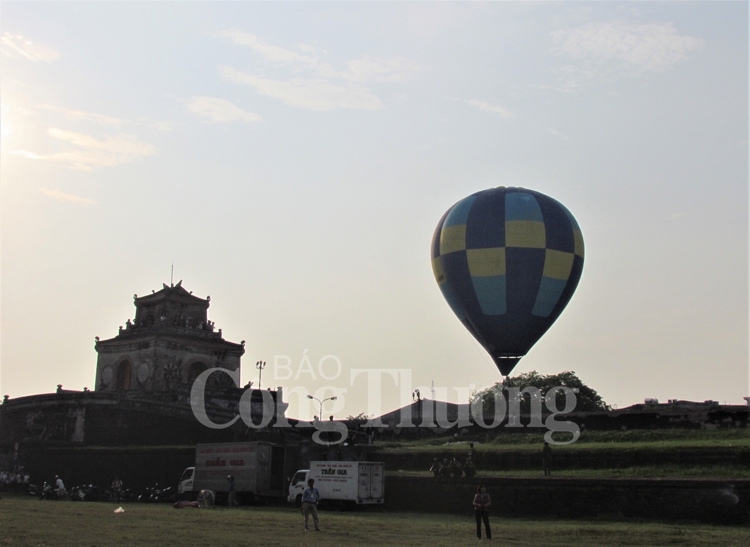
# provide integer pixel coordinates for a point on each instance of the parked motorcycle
(85, 492)
(149, 494)
(155, 494)
(168, 495)
(44, 492)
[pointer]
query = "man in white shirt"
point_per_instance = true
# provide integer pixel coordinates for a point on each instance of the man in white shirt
(310, 499)
(59, 486)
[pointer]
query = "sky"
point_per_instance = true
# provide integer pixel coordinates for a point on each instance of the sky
(292, 160)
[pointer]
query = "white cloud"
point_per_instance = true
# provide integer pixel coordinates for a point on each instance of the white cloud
(571, 79)
(13, 45)
(86, 153)
(27, 154)
(70, 114)
(127, 145)
(102, 119)
(67, 198)
(161, 126)
(486, 107)
(652, 46)
(310, 81)
(220, 111)
(560, 134)
(311, 93)
(372, 69)
(268, 52)
(308, 59)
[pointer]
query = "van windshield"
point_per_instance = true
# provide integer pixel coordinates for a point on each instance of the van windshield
(299, 477)
(188, 474)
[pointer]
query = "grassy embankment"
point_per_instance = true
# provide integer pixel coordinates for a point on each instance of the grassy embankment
(30, 522)
(703, 445)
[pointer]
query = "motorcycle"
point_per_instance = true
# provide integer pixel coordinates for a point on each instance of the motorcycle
(85, 492)
(167, 495)
(44, 492)
(150, 494)
(155, 494)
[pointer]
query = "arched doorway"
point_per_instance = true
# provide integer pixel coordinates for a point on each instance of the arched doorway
(195, 370)
(124, 375)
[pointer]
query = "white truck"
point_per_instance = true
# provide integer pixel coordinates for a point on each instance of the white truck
(354, 482)
(257, 467)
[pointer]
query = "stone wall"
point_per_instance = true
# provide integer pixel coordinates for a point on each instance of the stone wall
(141, 466)
(118, 420)
(138, 467)
(698, 500)
(579, 458)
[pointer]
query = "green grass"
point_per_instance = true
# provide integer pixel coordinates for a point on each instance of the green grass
(632, 454)
(634, 472)
(588, 440)
(30, 522)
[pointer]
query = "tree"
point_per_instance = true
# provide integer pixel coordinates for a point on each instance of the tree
(587, 399)
(360, 418)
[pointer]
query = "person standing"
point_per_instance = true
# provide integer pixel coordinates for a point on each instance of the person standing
(310, 499)
(232, 496)
(481, 511)
(546, 458)
(456, 468)
(435, 468)
(469, 469)
(59, 487)
(116, 489)
(206, 498)
(473, 455)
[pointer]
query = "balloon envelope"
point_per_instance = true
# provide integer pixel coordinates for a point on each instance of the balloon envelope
(507, 261)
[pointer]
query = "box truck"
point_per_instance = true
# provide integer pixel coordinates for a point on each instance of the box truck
(358, 483)
(257, 467)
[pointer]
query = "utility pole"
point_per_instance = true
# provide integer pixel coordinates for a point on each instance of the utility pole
(415, 395)
(260, 365)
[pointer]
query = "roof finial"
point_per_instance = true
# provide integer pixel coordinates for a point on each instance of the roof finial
(171, 276)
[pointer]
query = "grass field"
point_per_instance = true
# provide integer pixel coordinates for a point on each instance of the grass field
(31, 522)
(633, 472)
(635, 454)
(588, 440)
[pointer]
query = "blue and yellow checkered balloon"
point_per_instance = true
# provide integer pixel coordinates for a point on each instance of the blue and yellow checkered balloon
(507, 261)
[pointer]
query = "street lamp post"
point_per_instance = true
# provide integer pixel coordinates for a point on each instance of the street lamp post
(321, 407)
(260, 365)
(321, 403)
(416, 396)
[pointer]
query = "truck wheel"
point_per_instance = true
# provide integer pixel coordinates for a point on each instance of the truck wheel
(298, 500)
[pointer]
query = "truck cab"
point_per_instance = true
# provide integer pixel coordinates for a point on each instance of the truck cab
(297, 486)
(185, 484)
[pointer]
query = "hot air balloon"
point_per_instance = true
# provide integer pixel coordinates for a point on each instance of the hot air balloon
(507, 261)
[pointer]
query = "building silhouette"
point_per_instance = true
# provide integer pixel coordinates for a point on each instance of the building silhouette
(168, 344)
(144, 377)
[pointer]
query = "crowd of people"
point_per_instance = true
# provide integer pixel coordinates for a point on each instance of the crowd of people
(14, 480)
(452, 467)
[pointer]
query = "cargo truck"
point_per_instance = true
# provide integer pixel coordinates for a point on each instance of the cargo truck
(360, 483)
(257, 467)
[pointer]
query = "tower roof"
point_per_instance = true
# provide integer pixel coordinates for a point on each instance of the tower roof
(175, 293)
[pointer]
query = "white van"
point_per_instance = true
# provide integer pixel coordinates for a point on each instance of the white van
(356, 482)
